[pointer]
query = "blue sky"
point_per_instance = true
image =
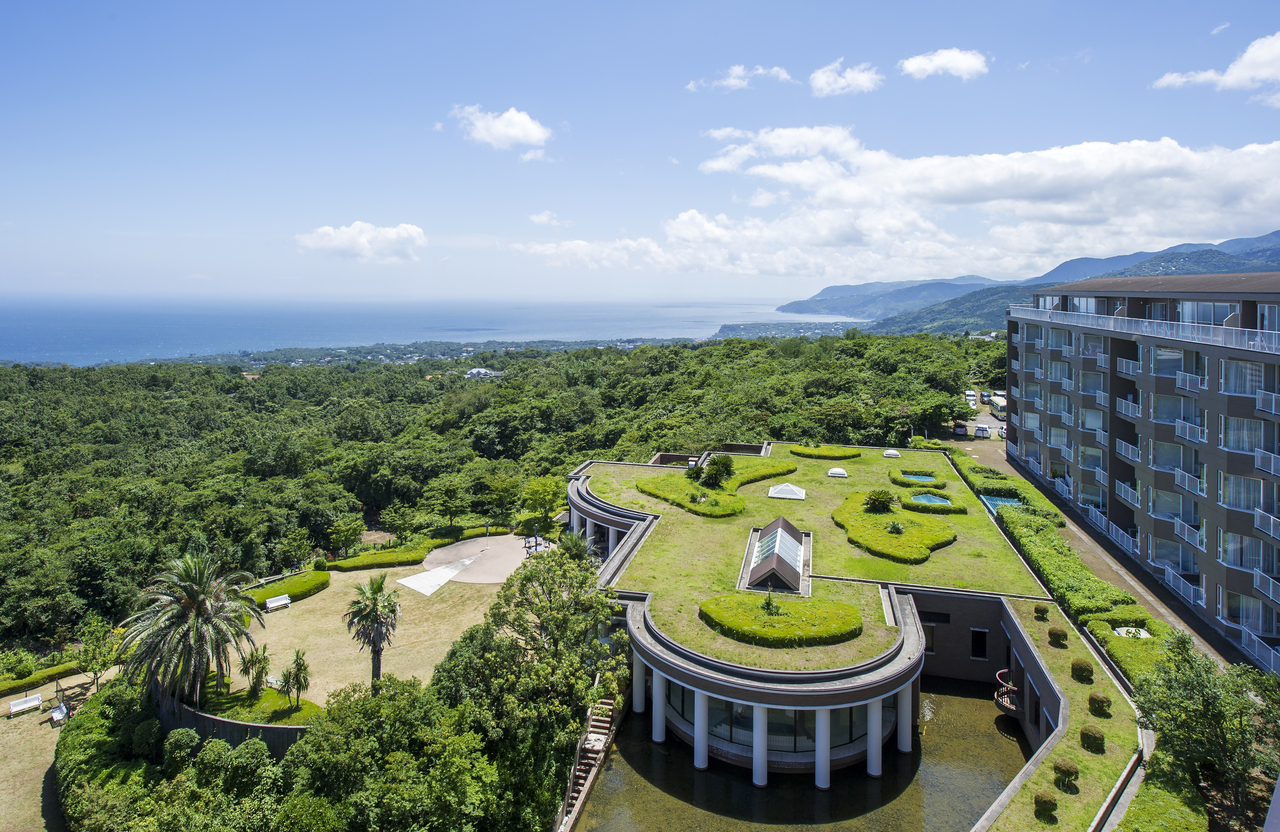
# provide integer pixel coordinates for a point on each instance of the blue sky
(478, 150)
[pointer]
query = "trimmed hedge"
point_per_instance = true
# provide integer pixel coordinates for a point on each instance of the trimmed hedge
(825, 452)
(409, 556)
(1135, 657)
(723, 502)
(985, 480)
(866, 530)
(932, 508)
(804, 622)
(297, 587)
(1167, 801)
(40, 677)
(1125, 615)
(898, 478)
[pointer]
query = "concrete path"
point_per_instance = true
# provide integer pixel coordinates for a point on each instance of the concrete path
(481, 560)
(1106, 560)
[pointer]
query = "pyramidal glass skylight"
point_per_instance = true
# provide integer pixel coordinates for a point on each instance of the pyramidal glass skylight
(787, 491)
(778, 542)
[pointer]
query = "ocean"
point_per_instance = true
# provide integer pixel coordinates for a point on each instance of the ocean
(81, 333)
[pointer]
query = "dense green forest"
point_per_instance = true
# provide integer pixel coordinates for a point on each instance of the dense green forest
(107, 473)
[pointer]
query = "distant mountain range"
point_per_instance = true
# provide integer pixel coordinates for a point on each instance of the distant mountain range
(974, 303)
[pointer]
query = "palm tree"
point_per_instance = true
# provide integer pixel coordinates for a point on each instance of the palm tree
(187, 623)
(577, 546)
(296, 677)
(373, 615)
(255, 664)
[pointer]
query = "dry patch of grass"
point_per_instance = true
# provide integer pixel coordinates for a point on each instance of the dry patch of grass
(1098, 772)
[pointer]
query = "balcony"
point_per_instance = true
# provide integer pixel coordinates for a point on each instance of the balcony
(1063, 486)
(1067, 350)
(1099, 436)
(1068, 419)
(1122, 538)
(1267, 524)
(1190, 432)
(1102, 397)
(1039, 372)
(1127, 408)
(1130, 452)
(1034, 403)
(1268, 402)
(1038, 434)
(1015, 420)
(1189, 482)
(1066, 447)
(1189, 592)
(1192, 534)
(1068, 384)
(1220, 336)
(1096, 518)
(1102, 360)
(1267, 585)
(1010, 448)
(1015, 365)
(1264, 655)
(1128, 493)
(1266, 461)
(1129, 368)
(1191, 382)
(1015, 392)
(1034, 465)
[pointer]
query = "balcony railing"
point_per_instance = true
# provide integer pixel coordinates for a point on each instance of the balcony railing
(1039, 372)
(1034, 403)
(1015, 420)
(1221, 336)
(1010, 448)
(1191, 382)
(1128, 451)
(1267, 524)
(1190, 432)
(1015, 365)
(1068, 419)
(1102, 360)
(1067, 350)
(1099, 436)
(1063, 486)
(1096, 518)
(1189, 481)
(1268, 402)
(1038, 433)
(1267, 585)
(1192, 534)
(1127, 408)
(1034, 465)
(1266, 461)
(1015, 392)
(1189, 592)
(1065, 446)
(1101, 396)
(1128, 493)
(1122, 538)
(1128, 367)
(1266, 656)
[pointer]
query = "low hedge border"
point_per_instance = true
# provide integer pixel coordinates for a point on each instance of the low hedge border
(825, 452)
(299, 586)
(932, 508)
(38, 679)
(804, 622)
(405, 557)
(921, 536)
(677, 488)
(899, 478)
(986, 481)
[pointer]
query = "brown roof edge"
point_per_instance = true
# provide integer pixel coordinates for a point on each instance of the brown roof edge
(785, 525)
(1208, 284)
(786, 573)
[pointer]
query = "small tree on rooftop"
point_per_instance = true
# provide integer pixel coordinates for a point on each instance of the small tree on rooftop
(879, 501)
(577, 546)
(719, 469)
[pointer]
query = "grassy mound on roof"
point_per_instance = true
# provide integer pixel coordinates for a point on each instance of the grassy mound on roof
(800, 622)
(920, 534)
(681, 491)
(825, 452)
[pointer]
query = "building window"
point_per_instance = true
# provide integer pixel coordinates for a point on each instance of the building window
(1170, 552)
(1031, 420)
(1091, 345)
(977, 644)
(1058, 437)
(1092, 458)
(1092, 495)
(1059, 370)
(1092, 383)
(1166, 408)
(1239, 434)
(1244, 552)
(1089, 306)
(1212, 314)
(1165, 504)
(1243, 493)
(1168, 361)
(1239, 378)
(1167, 455)
(1269, 317)
(1059, 403)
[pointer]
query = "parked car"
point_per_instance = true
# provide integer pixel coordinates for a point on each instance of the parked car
(1003, 432)
(971, 394)
(961, 429)
(985, 396)
(982, 432)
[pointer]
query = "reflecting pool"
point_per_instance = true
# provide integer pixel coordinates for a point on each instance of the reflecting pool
(994, 503)
(919, 477)
(931, 499)
(966, 753)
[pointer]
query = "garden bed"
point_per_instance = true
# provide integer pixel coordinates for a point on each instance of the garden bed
(299, 586)
(825, 452)
(799, 622)
(869, 531)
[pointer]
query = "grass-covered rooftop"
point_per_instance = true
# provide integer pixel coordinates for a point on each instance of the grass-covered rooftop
(689, 558)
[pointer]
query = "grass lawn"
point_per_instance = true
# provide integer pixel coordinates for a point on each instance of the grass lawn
(1098, 772)
(271, 708)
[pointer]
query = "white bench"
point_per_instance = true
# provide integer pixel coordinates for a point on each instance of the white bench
(274, 683)
(26, 703)
(277, 603)
(59, 714)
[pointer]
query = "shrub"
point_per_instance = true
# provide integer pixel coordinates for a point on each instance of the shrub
(1125, 615)
(921, 536)
(826, 452)
(211, 763)
(1046, 803)
(719, 470)
(894, 527)
(38, 678)
(1042, 612)
(932, 508)
(1136, 657)
(1057, 637)
(801, 622)
(900, 478)
(320, 565)
(177, 750)
(879, 501)
(297, 587)
(1092, 739)
(1082, 670)
(146, 738)
(695, 473)
(1099, 704)
(1065, 772)
(244, 765)
(691, 497)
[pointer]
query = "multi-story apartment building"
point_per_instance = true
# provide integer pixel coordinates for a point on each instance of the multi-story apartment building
(1152, 404)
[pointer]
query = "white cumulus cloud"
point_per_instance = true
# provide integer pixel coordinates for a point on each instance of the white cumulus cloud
(739, 78)
(1258, 66)
(548, 218)
(831, 80)
(501, 130)
(964, 64)
(858, 213)
(366, 241)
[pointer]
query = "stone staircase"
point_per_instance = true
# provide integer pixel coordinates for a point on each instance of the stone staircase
(591, 750)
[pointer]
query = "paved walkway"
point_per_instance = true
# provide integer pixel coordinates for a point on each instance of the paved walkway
(1106, 560)
(480, 560)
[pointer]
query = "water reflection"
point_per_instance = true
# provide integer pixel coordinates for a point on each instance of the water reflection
(967, 752)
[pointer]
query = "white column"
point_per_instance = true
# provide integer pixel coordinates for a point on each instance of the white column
(659, 707)
(905, 718)
(591, 530)
(760, 746)
(700, 729)
(822, 754)
(875, 736)
(573, 518)
(613, 540)
(637, 683)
